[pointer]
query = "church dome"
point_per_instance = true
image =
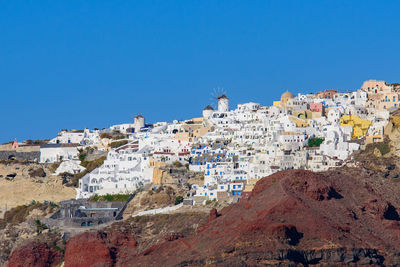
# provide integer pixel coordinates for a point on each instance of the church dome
(287, 95)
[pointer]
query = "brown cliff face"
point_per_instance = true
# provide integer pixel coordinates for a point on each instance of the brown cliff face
(34, 254)
(118, 244)
(292, 216)
(346, 216)
(99, 248)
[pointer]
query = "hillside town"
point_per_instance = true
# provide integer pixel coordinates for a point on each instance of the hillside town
(231, 148)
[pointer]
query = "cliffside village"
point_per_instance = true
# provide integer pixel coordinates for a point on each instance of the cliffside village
(233, 148)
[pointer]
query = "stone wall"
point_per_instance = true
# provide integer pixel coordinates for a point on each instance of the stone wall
(77, 222)
(29, 156)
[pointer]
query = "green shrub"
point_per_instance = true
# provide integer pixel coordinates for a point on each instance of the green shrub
(177, 164)
(82, 156)
(178, 200)
(56, 247)
(118, 143)
(36, 142)
(40, 226)
(110, 197)
(105, 135)
(90, 166)
(383, 147)
(315, 142)
(53, 167)
(117, 137)
(18, 214)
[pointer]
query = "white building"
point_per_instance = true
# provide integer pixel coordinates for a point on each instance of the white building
(50, 153)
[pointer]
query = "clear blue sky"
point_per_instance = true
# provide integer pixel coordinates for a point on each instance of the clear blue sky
(75, 64)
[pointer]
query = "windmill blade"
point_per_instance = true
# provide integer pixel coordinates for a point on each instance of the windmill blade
(215, 94)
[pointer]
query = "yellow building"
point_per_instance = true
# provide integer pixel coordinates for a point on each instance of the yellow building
(284, 99)
(299, 122)
(302, 114)
(360, 126)
(277, 103)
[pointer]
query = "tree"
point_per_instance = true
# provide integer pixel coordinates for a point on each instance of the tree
(315, 142)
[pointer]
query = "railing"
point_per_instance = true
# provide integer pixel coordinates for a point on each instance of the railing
(119, 216)
(159, 211)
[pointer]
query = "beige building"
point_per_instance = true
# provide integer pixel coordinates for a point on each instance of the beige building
(192, 129)
(381, 95)
(285, 98)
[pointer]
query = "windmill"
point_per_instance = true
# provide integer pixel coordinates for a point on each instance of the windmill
(215, 95)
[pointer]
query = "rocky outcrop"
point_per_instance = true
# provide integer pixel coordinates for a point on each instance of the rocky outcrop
(22, 182)
(153, 199)
(104, 249)
(175, 175)
(35, 254)
(118, 244)
(213, 214)
(24, 224)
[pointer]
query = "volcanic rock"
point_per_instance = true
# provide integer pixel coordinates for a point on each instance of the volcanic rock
(99, 248)
(291, 217)
(34, 254)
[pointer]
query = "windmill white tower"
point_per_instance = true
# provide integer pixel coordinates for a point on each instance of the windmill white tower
(139, 123)
(207, 112)
(223, 103)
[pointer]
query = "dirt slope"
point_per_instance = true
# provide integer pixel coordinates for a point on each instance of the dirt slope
(19, 186)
